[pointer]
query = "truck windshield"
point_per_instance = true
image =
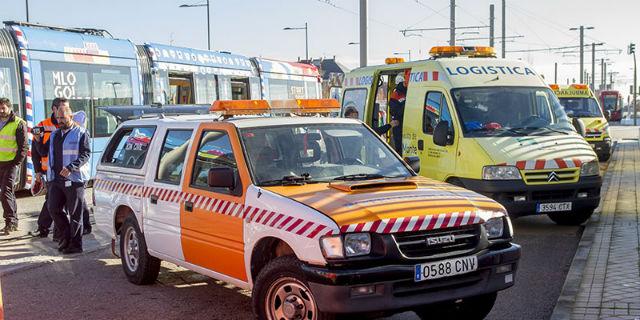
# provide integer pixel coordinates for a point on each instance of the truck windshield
(581, 107)
(510, 111)
(318, 153)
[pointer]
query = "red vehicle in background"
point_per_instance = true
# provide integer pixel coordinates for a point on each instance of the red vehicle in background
(611, 101)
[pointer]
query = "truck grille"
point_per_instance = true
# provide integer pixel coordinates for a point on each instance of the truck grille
(414, 244)
(569, 175)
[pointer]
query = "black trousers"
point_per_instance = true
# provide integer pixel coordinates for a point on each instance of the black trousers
(45, 220)
(397, 139)
(71, 199)
(7, 195)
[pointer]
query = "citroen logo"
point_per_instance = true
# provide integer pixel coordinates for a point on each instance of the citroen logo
(553, 176)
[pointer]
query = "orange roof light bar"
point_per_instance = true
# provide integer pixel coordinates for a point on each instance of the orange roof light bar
(393, 60)
(251, 107)
(452, 51)
(580, 86)
(554, 87)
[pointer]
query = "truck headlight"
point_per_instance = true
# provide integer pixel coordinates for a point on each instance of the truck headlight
(332, 247)
(494, 227)
(357, 244)
(501, 173)
(591, 168)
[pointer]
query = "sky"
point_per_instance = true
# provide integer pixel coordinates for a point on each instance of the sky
(255, 27)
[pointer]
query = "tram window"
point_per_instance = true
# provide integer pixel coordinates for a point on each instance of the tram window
(224, 88)
(312, 89)
(240, 88)
(205, 88)
(70, 81)
(278, 89)
(8, 83)
(111, 87)
(296, 89)
(181, 88)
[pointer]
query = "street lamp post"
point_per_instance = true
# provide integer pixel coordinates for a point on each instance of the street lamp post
(208, 19)
(306, 38)
(27, 7)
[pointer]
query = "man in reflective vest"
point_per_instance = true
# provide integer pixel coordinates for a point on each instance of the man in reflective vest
(40, 164)
(68, 171)
(13, 150)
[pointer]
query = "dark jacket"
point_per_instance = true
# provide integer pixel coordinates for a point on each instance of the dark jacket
(84, 154)
(21, 139)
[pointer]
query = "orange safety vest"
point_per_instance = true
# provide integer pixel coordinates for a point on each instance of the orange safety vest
(49, 127)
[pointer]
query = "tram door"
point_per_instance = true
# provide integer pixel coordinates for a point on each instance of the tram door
(181, 88)
(240, 89)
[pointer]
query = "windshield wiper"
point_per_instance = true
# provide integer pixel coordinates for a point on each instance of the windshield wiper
(290, 180)
(551, 129)
(360, 176)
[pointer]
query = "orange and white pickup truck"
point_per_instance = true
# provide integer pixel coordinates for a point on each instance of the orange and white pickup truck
(318, 216)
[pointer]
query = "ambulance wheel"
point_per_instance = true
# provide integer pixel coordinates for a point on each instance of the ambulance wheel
(281, 293)
(604, 157)
(139, 267)
(573, 218)
(477, 307)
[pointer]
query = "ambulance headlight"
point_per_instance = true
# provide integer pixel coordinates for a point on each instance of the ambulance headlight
(357, 244)
(494, 227)
(591, 168)
(501, 173)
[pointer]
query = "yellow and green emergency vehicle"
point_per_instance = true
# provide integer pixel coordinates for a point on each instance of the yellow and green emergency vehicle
(579, 102)
(490, 125)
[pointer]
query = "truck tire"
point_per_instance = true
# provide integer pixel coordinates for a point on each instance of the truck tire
(139, 267)
(472, 308)
(571, 219)
(280, 281)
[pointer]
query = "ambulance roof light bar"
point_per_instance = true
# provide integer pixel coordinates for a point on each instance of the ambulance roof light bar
(454, 51)
(256, 107)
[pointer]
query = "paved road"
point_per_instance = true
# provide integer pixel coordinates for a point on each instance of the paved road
(92, 286)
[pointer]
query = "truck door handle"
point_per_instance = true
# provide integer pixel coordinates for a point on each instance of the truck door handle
(188, 206)
(154, 199)
(420, 145)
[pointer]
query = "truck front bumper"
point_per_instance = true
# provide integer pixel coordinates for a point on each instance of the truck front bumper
(583, 195)
(392, 287)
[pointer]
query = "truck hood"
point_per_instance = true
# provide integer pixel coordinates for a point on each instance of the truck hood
(538, 152)
(595, 125)
(393, 205)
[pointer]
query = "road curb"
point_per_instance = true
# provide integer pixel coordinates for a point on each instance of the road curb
(571, 287)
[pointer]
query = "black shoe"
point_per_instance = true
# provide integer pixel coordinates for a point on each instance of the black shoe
(71, 250)
(8, 228)
(40, 233)
(55, 238)
(86, 231)
(64, 244)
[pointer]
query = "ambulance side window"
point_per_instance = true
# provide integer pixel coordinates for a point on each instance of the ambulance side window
(435, 110)
(354, 99)
(172, 155)
(214, 151)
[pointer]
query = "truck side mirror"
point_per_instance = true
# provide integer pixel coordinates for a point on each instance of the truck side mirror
(579, 125)
(413, 162)
(221, 178)
(441, 136)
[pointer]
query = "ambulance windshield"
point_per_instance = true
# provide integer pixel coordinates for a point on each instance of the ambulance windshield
(311, 153)
(581, 107)
(510, 111)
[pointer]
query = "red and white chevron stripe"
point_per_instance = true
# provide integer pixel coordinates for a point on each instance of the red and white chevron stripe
(415, 223)
(541, 164)
(298, 226)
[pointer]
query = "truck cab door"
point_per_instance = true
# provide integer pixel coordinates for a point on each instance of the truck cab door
(438, 162)
(211, 217)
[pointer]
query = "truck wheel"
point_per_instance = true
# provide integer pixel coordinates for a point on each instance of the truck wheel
(281, 293)
(573, 218)
(139, 266)
(471, 308)
(604, 157)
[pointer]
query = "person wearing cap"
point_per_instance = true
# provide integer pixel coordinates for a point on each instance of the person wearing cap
(396, 109)
(13, 150)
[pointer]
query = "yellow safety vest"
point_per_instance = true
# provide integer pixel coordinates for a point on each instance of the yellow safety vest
(8, 143)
